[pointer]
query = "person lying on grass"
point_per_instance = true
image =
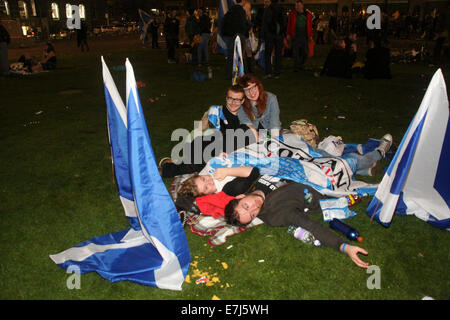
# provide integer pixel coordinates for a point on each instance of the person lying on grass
(284, 207)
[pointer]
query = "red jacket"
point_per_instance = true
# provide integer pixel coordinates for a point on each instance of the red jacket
(293, 20)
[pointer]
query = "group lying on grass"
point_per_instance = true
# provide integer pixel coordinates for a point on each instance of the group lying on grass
(251, 169)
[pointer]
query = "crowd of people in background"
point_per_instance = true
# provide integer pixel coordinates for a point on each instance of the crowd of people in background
(294, 33)
(291, 33)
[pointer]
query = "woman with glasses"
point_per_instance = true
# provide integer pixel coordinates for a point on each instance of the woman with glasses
(260, 109)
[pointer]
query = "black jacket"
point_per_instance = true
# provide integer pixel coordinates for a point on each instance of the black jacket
(285, 206)
(274, 21)
(239, 20)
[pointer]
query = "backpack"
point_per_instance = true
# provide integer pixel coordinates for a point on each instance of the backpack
(307, 131)
(226, 28)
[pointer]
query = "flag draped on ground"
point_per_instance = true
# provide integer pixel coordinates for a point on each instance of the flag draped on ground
(154, 251)
(224, 6)
(417, 180)
(330, 176)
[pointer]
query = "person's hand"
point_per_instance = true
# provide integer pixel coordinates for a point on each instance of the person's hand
(352, 252)
(205, 122)
(220, 174)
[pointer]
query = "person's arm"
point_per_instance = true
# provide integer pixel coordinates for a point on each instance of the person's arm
(205, 122)
(241, 185)
(294, 215)
(245, 120)
(243, 117)
(352, 252)
(222, 173)
(274, 109)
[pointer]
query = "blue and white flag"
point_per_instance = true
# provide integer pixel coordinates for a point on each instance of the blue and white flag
(417, 180)
(224, 6)
(144, 22)
(157, 254)
(330, 176)
(259, 55)
(118, 139)
(238, 62)
(215, 114)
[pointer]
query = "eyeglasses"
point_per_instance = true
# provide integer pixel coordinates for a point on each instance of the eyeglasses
(232, 100)
(251, 88)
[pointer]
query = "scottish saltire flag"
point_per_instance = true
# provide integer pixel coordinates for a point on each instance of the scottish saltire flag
(224, 6)
(144, 21)
(118, 139)
(215, 114)
(329, 176)
(157, 254)
(417, 180)
(238, 62)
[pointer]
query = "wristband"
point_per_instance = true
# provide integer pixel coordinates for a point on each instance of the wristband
(343, 247)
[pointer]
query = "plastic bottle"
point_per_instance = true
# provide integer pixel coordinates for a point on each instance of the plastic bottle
(303, 235)
(308, 196)
(345, 229)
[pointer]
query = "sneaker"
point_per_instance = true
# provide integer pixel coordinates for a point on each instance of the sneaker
(267, 76)
(164, 161)
(385, 144)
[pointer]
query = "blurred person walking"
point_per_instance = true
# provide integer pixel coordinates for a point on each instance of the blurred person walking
(299, 29)
(171, 30)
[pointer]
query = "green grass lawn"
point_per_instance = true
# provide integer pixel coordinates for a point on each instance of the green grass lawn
(57, 187)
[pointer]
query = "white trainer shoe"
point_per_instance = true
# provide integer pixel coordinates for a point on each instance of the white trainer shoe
(385, 144)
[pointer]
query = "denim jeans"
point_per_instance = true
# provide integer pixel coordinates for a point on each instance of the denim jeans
(202, 49)
(359, 164)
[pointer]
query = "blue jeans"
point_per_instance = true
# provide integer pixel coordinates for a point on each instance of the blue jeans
(359, 164)
(202, 49)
